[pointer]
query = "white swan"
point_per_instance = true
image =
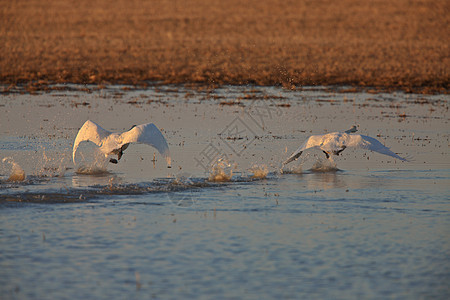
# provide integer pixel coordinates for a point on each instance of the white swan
(115, 143)
(335, 142)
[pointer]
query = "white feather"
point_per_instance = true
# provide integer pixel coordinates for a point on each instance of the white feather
(111, 143)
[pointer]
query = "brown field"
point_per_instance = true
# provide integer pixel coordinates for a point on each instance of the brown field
(381, 43)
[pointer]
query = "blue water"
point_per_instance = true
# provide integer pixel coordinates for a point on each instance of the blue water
(373, 229)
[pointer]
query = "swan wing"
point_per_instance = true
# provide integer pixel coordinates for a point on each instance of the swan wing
(90, 132)
(370, 143)
(147, 134)
(311, 142)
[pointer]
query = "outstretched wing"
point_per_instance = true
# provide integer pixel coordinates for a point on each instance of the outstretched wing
(311, 142)
(148, 134)
(370, 143)
(91, 132)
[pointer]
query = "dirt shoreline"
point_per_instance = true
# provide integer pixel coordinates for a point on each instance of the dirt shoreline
(381, 45)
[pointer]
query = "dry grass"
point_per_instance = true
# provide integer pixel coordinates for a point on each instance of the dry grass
(400, 44)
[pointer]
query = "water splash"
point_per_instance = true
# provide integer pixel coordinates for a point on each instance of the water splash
(183, 179)
(92, 164)
(259, 171)
(292, 170)
(37, 156)
(221, 171)
(324, 165)
(52, 164)
(320, 165)
(296, 168)
(16, 173)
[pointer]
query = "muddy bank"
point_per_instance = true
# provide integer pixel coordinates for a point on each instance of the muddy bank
(290, 43)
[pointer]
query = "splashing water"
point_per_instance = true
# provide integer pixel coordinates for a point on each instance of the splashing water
(183, 179)
(259, 171)
(319, 166)
(52, 164)
(221, 171)
(292, 170)
(16, 172)
(95, 164)
(327, 165)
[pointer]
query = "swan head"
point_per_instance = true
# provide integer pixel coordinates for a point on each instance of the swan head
(353, 129)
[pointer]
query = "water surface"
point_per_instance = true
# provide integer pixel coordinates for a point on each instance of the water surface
(368, 227)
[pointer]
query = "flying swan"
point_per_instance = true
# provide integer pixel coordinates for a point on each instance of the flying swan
(335, 142)
(112, 143)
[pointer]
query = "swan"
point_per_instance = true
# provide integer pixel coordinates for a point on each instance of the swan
(335, 142)
(112, 143)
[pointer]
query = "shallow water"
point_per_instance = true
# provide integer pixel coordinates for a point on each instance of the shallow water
(367, 227)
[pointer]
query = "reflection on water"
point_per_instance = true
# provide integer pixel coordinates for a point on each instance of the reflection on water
(81, 180)
(224, 221)
(323, 180)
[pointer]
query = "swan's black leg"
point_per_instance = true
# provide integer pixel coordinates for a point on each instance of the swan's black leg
(339, 151)
(113, 160)
(326, 153)
(123, 148)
